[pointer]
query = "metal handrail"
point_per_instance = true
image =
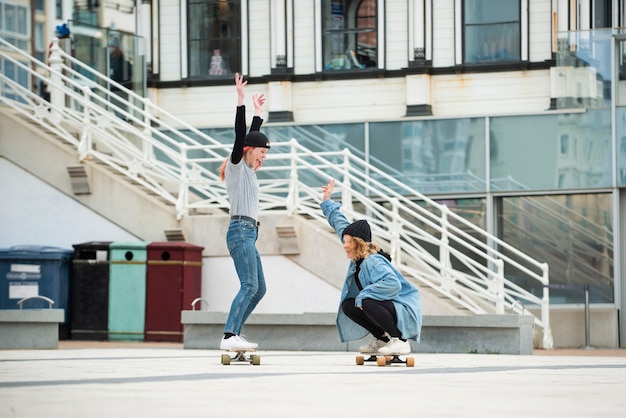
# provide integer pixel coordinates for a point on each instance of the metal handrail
(467, 264)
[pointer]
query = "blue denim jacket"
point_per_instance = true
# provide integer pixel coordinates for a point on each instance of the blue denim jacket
(380, 281)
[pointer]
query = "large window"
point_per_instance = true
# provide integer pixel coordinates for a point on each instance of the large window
(214, 38)
(350, 34)
(491, 31)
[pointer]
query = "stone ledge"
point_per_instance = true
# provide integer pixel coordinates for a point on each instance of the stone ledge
(30, 328)
(484, 334)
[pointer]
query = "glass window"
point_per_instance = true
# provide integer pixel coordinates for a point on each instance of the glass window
(491, 31)
(214, 38)
(620, 137)
(40, 48)
(434, 156)
(563, 151)
(17, 74)
(602, 13)
(10, 18)
(572, 233)
(349, 34)
(14, 25)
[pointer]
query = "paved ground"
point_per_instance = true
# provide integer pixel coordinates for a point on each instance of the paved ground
(88, 379)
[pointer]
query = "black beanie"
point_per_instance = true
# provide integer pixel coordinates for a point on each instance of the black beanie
(256, 139)
(360, 229)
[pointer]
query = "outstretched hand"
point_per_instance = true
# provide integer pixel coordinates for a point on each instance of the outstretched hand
(327, 190)
(258, 100)
(240, 83)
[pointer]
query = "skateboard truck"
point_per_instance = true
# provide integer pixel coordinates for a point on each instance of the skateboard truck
(240, 357)
(384, 360)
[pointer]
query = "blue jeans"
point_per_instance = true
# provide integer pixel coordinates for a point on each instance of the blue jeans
(241, 241)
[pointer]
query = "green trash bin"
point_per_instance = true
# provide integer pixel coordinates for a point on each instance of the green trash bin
(127, 291)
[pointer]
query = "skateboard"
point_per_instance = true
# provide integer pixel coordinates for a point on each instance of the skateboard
(240, 357)
(384, 360)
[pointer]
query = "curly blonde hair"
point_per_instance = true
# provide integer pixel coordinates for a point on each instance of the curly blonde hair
(363, 249)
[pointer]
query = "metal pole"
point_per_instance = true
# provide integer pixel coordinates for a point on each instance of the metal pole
(587, 343)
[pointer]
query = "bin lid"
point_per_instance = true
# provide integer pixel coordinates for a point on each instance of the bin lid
(93, 245)
(174, 245)
(35, 252)
(174, 250)
(130, 245)
(134, 251)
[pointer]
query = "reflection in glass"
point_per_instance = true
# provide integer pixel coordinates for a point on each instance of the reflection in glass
(491, 30)
(214, 38)
(433, 156)
(572, 233)
(583, 69)
(349, 34)
(620, 135)
(561, 151)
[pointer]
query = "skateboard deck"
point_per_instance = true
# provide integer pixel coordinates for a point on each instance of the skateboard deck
(240, 357)
(384, 360)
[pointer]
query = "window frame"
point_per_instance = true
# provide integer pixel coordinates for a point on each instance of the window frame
(460, 41)
(186, 44)
(320, 62)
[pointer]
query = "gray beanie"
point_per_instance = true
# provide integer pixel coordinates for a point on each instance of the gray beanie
(360, 229)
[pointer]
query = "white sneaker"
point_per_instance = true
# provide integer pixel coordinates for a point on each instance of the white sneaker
(235, 343)
(243, 338)
(372, 346)
(395, 346)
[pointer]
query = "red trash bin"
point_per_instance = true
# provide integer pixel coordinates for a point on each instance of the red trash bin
(173, 281)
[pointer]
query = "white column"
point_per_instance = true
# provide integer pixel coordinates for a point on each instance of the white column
(417, 26)
(278, 37)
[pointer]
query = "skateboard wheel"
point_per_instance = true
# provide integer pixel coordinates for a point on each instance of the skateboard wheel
(410, 362)
(381, 361)
(225, 359)
(255, 359)
(360, 360)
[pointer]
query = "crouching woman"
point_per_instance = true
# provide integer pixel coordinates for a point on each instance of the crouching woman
(376, 298)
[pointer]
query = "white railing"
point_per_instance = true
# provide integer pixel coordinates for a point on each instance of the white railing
(429, 243)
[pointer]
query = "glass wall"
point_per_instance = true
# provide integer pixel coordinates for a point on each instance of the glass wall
(434, 156)
(583, 65)
(557, 153)
(560, 151)
(620, 135)
(572, 233)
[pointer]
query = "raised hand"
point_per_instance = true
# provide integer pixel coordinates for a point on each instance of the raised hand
(240, 83)
(258, 100)
(327, 190)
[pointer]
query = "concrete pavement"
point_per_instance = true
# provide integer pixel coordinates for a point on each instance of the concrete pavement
(164, 380)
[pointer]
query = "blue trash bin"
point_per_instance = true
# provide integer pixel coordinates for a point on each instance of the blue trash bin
(34, 270)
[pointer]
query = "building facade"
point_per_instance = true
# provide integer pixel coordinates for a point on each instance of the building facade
(506, 110)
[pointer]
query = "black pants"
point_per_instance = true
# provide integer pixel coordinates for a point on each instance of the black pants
(378, 316)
